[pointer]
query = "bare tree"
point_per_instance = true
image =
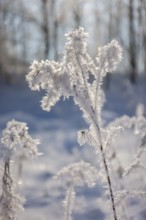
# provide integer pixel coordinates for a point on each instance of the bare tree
(143, 29)
(132, 43)
(54, 18)
(45, 28)
(77, 12)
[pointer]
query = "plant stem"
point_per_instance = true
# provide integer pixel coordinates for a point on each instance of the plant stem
(109, 183)
(95, 123)
(69, 201)
(7, 181)
(106, 170)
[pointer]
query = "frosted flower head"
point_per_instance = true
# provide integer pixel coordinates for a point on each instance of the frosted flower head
(43, 74)
(46, 75)
(16, 134)
(79, 174)
(76, 42)
(109, 56)
(30, 146)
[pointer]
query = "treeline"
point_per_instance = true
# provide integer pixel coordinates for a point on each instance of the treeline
(33, 30)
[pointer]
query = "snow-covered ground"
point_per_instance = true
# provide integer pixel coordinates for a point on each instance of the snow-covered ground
(57, 132)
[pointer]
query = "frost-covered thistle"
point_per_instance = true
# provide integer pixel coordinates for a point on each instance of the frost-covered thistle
(71, 77)
(15, 135)
(76, 174)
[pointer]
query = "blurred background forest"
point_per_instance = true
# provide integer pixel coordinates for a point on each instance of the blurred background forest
(35, 30)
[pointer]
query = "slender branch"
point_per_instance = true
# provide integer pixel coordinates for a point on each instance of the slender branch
(84, 79)
(98, 84)
(98, 132)
(109, 183)
(7, 180)
(69, 198)
(106, 170)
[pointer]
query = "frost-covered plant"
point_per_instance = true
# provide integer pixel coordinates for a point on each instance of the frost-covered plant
(72, 77)
(139, 126)
(10, 201)
(122, 174)
(76, 174)
(14, 135)
(136, 123)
